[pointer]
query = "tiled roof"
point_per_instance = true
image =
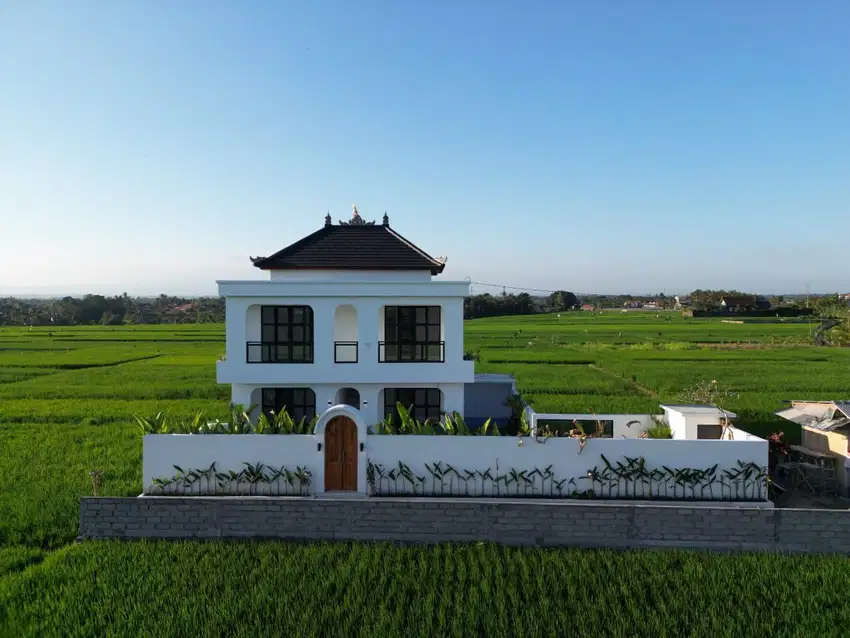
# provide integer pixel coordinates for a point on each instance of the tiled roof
(354, 245)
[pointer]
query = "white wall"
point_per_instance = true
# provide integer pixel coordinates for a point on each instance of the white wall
(161, 452)
(371, 396)
(345, 323)
(679, 426)
(243, 324)
(501, 454)
(475, 453)
(737, 434)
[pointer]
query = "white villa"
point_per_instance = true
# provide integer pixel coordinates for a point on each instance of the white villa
(353, 320)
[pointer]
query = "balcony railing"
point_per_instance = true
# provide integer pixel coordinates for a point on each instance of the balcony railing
(423, 352)
(345, 352)
(259, 352)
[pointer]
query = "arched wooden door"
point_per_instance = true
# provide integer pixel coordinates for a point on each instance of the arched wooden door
(340, 455)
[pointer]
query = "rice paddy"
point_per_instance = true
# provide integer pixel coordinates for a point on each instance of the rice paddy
(68, 395)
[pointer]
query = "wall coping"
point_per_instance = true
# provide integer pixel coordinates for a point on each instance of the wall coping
(543, 502)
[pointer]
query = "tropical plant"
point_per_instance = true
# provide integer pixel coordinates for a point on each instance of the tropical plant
(452, 424)
(253, 479)
(630, 478)
(658, 430)
(517, 424)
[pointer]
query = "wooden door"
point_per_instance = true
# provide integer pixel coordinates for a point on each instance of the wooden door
(340, 455)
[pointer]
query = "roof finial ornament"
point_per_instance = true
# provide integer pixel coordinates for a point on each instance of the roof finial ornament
(386, 220)
(328, 221)
(356, 219)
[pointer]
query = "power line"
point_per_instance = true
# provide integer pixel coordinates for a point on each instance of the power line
(503, 287)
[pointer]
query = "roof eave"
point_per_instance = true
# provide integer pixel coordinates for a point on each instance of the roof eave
(270, 264)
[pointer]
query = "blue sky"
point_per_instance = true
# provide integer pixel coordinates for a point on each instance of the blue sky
(590, 146)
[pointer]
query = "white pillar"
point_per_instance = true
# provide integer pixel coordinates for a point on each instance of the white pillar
(453, 329)
(235, 322)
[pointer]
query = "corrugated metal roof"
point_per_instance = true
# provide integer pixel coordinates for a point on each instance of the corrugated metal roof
(818, 415)
(844, 406)
(828, 425)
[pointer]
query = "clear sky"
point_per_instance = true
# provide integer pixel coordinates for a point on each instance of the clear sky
(611, 146)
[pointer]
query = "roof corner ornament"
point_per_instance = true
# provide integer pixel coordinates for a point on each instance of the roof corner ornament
(386, 220)
(328, 221)
(356, 219)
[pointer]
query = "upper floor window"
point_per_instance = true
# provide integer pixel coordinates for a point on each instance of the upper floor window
(412, 333)
(286, 334)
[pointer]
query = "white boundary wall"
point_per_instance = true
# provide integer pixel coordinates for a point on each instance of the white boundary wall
(568, 460)
(230, 452)
(474, 453)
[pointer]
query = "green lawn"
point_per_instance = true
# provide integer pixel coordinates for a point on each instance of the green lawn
(68, 395)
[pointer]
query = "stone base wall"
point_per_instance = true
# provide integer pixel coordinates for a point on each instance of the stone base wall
(537, 523)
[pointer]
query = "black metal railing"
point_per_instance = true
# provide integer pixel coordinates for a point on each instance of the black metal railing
(400, 352)
(345, 352)
(259, 352)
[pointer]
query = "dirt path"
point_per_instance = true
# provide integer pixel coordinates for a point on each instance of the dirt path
(632, 384)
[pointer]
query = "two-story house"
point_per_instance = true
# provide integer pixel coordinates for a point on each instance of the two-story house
(352, 315)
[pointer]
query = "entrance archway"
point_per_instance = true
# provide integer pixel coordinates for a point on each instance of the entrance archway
(341, 455)
(347, 396)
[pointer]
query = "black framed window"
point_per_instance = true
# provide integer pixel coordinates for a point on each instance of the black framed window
(426, 402)
(412, 333)
(298, 402)
(287, 334)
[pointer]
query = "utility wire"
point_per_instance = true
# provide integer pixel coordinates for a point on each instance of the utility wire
(503, 287)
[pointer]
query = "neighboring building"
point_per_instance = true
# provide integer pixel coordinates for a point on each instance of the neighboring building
(651, 305)
(844, 297)
(744, 303)
(825, 427)
(588, 306)
(352, 314)
(682, 302)
(696, 422)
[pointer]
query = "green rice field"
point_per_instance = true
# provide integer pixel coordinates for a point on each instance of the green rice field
(68, 395)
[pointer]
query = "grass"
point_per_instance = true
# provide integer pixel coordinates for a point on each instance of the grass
(68, 395)
(45, 469)
(257, 589)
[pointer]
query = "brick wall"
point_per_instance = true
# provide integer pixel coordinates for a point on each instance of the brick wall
(434, 520)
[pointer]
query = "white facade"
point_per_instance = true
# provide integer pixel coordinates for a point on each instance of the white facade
(350, 349)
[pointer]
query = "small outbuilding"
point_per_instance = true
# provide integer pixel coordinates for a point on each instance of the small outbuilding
(825, 428)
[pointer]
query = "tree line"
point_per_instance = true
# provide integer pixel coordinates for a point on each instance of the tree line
(111, 311)
(126, 310)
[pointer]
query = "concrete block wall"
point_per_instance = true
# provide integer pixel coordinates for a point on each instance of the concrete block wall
(538, 523)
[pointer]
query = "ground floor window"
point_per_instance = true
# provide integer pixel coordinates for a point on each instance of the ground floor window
(426, 402)
(298, 402)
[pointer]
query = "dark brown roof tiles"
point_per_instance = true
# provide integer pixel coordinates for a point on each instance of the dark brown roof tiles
(357, 246)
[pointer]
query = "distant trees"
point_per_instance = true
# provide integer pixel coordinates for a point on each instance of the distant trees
(488, 305)
(118, 310)
(561, 300)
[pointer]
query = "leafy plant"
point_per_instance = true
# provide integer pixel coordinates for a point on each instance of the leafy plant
(253, 479)
(629, 478)
(658, 430)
